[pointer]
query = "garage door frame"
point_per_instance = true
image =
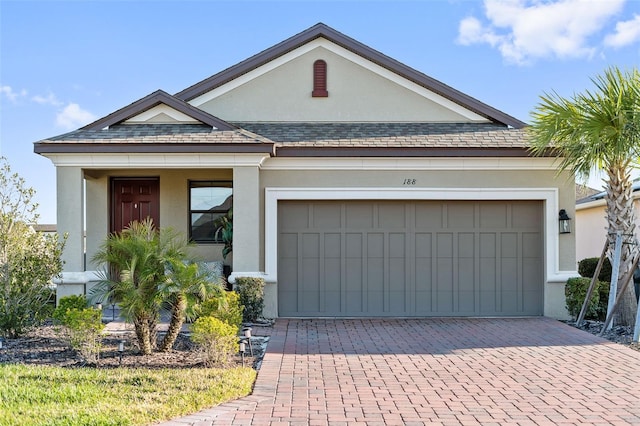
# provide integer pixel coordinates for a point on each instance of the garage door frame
(549, 196)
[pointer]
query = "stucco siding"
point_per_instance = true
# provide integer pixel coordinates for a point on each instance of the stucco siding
(355, 94)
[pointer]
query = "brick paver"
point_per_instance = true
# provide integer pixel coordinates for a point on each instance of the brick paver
(520, 371)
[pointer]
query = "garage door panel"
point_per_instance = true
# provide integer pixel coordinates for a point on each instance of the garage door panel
(391, 216)
(423, 302)
(466, 275)
(397, 303)
(525, 215)
(354, 303)
(295, 216)
(310, 275)
(375, 245)
(493, 215)
(397, 244)
(327, 216)
(460, 215)
(375, 301)
(288, 247)
(410, 258)
(509, 245)
(531, 245)
(444, 302)
(359, 215)
(429, 215)
(375, 274)
(466, 302)
(423, 245)
(353, 275)
(354, 246)
(310, 245)
(444, 246)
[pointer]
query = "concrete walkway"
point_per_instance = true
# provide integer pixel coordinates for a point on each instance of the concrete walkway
(531, 371)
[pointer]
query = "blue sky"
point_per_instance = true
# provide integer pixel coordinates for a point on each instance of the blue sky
(64, 64)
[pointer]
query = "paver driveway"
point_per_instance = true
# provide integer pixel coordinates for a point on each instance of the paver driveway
(521, 371)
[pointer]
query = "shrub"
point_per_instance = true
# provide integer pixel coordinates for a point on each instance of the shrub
(251, 291)
(69, 302)
(218, 341)
(603, 290)
(576, 291)
(226, 307)
(586, 268)
(82, 326)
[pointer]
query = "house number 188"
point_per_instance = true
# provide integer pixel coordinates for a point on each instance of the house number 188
(409, 182)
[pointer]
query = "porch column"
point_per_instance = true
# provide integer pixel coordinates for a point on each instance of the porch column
(246, 221)
(70, 220)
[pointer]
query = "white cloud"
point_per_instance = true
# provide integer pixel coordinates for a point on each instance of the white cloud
(525, 30)
(72, 116)
(10, 94)
(50, 99)
(627, 32)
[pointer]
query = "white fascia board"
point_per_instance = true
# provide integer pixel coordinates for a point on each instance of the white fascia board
(410, 163)
(549, 196)
(161, 160)
(326, 44)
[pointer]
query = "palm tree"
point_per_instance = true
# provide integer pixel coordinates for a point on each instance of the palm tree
(187, 285)
(134, 262)
(599, 129)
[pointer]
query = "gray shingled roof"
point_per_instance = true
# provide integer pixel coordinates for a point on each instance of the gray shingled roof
(157, 134)
(396, 135)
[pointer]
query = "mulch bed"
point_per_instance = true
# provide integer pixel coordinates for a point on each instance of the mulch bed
(45, 346)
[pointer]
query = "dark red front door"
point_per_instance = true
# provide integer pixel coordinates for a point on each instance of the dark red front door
(134, 199)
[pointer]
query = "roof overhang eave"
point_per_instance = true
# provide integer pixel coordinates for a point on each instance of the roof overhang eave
(43, 148)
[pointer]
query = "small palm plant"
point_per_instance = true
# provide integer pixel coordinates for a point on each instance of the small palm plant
(134, 269)
(187, 284)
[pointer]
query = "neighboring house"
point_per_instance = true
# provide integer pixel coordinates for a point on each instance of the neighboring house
(361, 187)
(591, 223)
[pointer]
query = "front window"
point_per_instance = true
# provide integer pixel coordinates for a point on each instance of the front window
(208, 201)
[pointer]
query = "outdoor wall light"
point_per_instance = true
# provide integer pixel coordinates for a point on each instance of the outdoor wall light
(99, 306)
(564, 222)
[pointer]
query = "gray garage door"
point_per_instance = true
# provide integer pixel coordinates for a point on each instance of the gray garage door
(414, 258)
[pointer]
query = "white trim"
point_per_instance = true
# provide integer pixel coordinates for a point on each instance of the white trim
(234, 275)
(356, 59)
(156, 160)
(76, 277)
(161, 109)
(408, 163)
(548, 195)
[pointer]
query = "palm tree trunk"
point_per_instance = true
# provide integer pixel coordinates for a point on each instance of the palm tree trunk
(177, 319)
(143, 334)
(621, 218)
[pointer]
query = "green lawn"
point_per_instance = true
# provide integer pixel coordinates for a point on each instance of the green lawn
(54, 396)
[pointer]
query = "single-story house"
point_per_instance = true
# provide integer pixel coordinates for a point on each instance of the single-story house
(360, 187)
(591, 222)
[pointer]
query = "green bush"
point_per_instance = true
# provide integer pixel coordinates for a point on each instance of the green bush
(586, 268)
(82, 326)
(217, 340)
(251, 291)
(603, 290)
(576, 291)
(69, 302)
(226, 307)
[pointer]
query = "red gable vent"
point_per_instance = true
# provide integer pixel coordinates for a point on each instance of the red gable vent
(319, 79)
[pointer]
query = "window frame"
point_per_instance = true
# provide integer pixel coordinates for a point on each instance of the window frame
(217, 183)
